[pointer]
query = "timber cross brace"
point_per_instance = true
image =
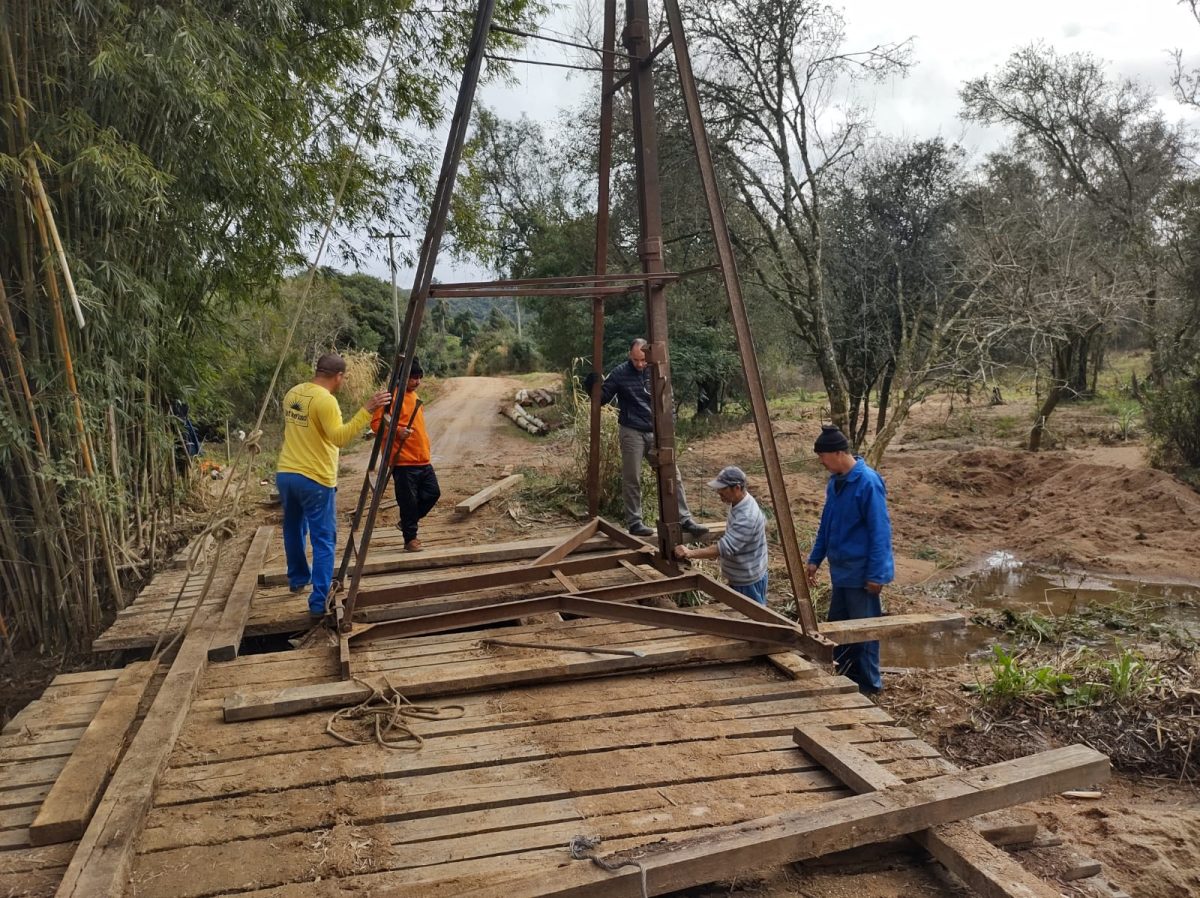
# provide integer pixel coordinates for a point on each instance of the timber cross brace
(638, 75)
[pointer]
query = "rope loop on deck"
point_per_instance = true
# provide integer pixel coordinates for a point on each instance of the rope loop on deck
(582, 848)
(382, 719)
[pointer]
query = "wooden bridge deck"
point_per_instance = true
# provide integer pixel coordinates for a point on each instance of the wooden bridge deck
(277, 806)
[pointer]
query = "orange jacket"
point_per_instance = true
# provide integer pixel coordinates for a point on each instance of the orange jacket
(415, 449)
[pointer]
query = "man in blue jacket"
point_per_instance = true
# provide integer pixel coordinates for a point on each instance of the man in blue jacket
(856, 536)
(629, 385)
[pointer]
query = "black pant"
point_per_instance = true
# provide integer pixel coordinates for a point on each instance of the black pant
(417, 491)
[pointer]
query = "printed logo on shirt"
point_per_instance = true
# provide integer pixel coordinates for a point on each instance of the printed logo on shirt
(295, 410)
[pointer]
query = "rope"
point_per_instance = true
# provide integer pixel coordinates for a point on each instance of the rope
(383, 715)
(582, 849)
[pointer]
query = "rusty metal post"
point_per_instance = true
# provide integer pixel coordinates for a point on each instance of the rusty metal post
(650, 250)
(602, 212)
(741, 325)
(402, 364)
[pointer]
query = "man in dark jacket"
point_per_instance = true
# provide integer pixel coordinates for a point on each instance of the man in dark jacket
(629, 385)
(856, 536)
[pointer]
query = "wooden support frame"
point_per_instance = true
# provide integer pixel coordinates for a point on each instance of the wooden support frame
(989, 871)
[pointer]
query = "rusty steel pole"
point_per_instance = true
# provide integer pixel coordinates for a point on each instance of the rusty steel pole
(423, 278)
(602, 213)
(741, 325)
(650, 251)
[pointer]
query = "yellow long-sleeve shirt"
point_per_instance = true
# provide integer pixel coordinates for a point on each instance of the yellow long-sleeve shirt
(313, 432)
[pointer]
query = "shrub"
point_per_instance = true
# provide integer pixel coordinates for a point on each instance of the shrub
(1173, 419)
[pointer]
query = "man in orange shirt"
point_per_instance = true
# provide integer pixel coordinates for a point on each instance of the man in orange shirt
(416, 484)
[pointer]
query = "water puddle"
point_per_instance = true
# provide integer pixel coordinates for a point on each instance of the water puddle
(1005, 583)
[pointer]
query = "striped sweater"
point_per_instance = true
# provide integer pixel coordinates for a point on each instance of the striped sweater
(743, 548)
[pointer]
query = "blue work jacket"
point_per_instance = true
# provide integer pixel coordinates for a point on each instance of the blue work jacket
(855, 532)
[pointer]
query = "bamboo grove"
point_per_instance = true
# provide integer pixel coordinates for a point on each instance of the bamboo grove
(164, 166)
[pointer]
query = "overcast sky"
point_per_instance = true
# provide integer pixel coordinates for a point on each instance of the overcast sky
(953, 42)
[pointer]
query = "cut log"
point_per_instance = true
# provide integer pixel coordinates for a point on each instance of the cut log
(67, 809)
(485, 495)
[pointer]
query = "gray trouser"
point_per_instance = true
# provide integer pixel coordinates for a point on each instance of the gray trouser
(635, 446)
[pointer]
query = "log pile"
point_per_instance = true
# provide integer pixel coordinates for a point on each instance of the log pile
(535, 397)
(524, 420)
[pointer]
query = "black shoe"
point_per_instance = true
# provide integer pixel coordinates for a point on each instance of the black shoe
(694, 530)
(641, 530)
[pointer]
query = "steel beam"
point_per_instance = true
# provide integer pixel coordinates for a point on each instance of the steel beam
(688, 621)
(741, 325)
(568, 545)
(509, 576)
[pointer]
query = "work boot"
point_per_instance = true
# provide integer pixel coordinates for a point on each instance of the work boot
(412, 545)
(694, 530)
(640, 529)
(296, 590)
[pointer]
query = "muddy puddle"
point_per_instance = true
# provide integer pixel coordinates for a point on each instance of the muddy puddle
(1005, 583)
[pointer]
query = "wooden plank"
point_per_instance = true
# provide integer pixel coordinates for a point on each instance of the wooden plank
(569, 545)
(869, 629)
(835, 826)
(69, 806)
(100, 865)
(988, 871)
(535, 670)
(228, 636)
(794, 666)
(487, 494)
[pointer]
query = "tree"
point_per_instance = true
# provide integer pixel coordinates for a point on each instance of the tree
(894, 283)
(185, 155)
(1105, 142)
(768, 71)
(1056, 279)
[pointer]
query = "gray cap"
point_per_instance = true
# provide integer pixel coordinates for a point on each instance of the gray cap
(730, 476)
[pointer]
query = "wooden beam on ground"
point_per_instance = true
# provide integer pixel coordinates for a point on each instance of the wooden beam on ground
(65, 812)
(487, 494)
(987, 870)
(723, 852)
(228, 637)
(554, 668)
(510, 576)
(101, 863)
(868, 629)
(569, 545)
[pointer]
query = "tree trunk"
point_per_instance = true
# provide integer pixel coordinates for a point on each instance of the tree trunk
(1039, 426)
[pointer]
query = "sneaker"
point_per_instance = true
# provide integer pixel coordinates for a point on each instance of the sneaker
(694, 530)
(296, 590)
(641, 530)
(413, 545)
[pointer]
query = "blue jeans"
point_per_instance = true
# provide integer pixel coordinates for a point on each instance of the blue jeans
(859, 660)
(756, 590)
(309, 512)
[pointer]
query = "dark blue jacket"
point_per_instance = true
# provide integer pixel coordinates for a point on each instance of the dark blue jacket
(855, 532)
(631, 389)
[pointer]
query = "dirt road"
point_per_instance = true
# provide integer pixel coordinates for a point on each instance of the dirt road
(465, 426)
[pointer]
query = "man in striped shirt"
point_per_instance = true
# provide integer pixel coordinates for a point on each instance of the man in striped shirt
(743, 547)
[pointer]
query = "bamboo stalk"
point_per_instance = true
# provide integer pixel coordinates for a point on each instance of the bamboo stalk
(10, 333)
(40, 193)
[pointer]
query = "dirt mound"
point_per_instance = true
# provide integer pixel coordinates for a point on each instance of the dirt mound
(1050, 507)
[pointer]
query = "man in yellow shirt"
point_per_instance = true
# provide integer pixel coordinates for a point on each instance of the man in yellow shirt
(306, 478)
(416, 484)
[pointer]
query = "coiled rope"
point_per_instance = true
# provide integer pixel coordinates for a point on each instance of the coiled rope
(383, 717)
(582, 848)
